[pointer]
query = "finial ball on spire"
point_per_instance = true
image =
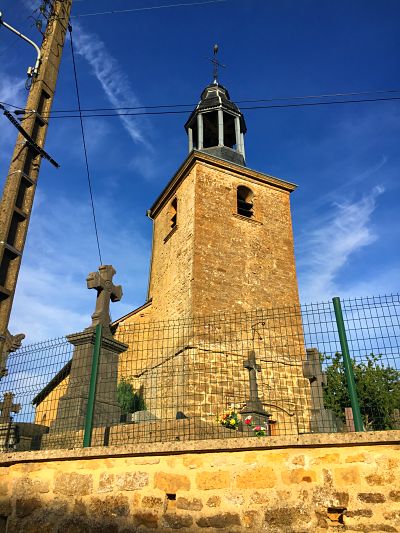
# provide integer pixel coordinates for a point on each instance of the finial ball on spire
(215, 49)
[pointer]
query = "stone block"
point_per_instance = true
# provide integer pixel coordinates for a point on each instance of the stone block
(106, 482)
(281, 519)
(26, 506)
(192, 461)
(381, 479)
(251, 520)
(171, 483)
(394, 495)
(298, 475)
(131, 480)
(152, 502)
(371, 497)
(190, 505)
(214, 501)
(365, 513)
(145, 519)
(219, 521)
(220, 479)
(115, 505)
(174, 521)
(25, 486)
(73, 484)
(257, 478)
(347, 475)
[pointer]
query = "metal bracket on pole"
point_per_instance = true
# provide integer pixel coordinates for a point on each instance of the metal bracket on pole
(32, 71)
(87, 436)
(348, 369)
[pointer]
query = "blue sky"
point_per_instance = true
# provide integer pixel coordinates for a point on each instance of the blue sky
(344, 158)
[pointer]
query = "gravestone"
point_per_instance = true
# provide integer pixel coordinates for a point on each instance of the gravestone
(7, 407)
(12, 343)
(254, 406)
(322, 420)
(71, 410)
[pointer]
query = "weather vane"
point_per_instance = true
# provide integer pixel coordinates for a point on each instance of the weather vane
(216, 63)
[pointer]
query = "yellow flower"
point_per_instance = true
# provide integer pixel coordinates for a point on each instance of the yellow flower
(232, 422)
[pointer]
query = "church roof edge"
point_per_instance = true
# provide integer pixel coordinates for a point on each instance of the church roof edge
(196, 155)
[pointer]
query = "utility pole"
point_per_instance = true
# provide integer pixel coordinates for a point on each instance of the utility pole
(19, 190)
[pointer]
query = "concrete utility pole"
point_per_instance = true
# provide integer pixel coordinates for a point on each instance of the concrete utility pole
(19, 190)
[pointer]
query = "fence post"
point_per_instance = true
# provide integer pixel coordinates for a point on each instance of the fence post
(348, 369)
(87, 436)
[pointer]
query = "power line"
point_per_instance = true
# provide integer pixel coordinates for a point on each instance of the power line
(150, 8)
(84, 144)
(260, 100)
(273, 106)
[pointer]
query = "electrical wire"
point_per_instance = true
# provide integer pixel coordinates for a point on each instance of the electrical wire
(274, 106)
(150, 8)
(84, 143)
(260, 100)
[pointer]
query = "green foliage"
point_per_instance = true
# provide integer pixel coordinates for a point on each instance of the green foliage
(129, 400)
(378, 389)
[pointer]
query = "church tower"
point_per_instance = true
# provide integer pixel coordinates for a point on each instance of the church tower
(222, 232)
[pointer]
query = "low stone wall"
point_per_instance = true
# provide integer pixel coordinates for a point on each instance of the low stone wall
(310, 483)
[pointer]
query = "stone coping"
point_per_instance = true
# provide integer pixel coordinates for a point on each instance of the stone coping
(321, 440)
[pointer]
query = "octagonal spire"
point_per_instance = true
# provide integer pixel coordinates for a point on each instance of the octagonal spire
(217, 126)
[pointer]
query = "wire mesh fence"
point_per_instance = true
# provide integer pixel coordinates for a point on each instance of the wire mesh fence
(261, 373)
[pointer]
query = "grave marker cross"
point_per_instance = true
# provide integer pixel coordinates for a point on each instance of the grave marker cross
(106, 291)
(7, 407)
(312, 370)
(253, 368)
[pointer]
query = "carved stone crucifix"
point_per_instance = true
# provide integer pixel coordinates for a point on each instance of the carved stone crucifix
(254, 406)
(106, 291)
(7, 407)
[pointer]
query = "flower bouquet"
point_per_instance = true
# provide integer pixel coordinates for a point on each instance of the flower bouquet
(259, 431)
(229, 419)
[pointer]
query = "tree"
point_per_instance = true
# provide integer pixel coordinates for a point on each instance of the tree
(378, 389)
(129, 400)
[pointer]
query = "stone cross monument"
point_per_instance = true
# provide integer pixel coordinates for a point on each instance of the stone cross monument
(7, 407)
(71, 411)
(106, 291)
(254, 407)
(322, 420)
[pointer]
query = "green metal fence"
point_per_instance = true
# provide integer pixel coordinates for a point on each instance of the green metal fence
(325, 367)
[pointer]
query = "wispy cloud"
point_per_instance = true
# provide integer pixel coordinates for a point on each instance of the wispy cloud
(335, 238)
(113, 80)
(52, 298)
(11, 91)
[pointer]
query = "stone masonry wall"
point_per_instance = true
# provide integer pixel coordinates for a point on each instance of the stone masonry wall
(341, 483)
(172, 257)
(241, 263)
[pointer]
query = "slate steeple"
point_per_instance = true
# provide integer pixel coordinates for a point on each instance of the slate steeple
(216, 126)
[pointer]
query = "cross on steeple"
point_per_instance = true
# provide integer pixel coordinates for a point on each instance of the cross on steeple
(106, 291)
(7, 407)
(216, 64)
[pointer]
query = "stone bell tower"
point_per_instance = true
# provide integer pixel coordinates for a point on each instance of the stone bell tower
(222, 232)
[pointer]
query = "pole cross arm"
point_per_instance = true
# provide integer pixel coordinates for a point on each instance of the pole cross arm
(28, 138)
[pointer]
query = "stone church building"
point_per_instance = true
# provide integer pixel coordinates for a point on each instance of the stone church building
(222, 248)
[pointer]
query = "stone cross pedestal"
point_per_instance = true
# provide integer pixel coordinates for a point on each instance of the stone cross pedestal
(254, 407)
(322, 420)
(71, 409)
(12, 343)
(7, 407)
